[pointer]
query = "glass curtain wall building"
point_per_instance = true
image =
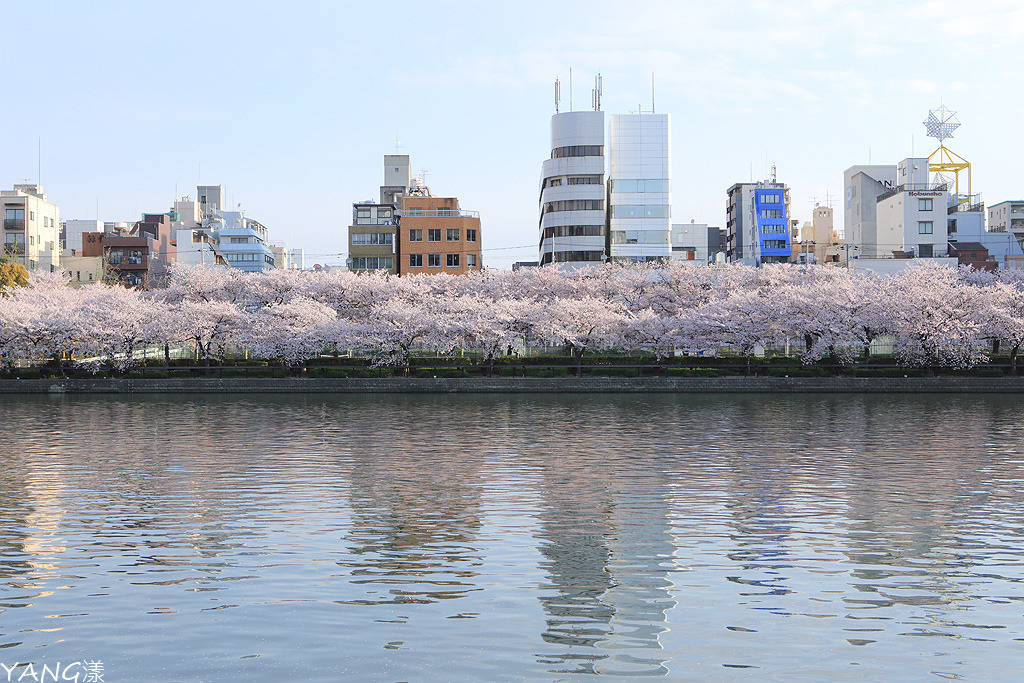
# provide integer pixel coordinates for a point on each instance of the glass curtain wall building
(639, 192)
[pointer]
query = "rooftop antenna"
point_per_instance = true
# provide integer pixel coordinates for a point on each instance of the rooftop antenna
(558, 93)
(39, 157)
(570, 88)
(773, 173)
(598, 87)
(652, 92)
(397, 144)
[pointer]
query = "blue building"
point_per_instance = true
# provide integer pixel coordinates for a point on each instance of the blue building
(772, 225)
(757, 223)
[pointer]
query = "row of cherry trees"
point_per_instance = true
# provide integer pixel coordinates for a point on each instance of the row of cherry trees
(934, 315)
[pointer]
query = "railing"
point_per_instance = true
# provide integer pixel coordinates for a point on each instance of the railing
(440, 213)
(756, 368)
(14, 224)
(912, 187)
(956, 208)
(18, 249)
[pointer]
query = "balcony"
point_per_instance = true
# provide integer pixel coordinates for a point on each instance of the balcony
(15, 249)
(14, 224)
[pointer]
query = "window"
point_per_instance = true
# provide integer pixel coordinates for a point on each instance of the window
(650, 185)
(770, 199)
(362, 213)
(577, 151)
(383, 213)
(453, 260)
(925, 250)
(554, 182)
(434, 235)
(924, 204)
(434, 260)
(470, 235)
(416, 235)
(239, 240)
(452, 235)
(135, 257)
(415, 211)
(771, 213)
(471, 260)
(116, 255)
(371, 263)
(573, 231)
(575, 205)
(773, 244)
(641, 211)
(415, 260)
(31, 215)
(14, 214)
(14, 241)
(925, 227)
(364, 238)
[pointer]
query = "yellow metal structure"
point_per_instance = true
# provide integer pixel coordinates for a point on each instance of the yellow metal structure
(943, 160)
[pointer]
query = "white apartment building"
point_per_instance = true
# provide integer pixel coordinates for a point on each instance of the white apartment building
(31, 227)
(1007, 217)
(207, 234)
(639, 192)
(572, 192)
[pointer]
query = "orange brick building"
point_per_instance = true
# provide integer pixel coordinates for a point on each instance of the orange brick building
(436, 236)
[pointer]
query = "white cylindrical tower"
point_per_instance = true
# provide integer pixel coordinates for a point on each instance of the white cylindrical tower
(572, 192)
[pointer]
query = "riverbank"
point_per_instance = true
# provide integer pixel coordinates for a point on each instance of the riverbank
(520, 385)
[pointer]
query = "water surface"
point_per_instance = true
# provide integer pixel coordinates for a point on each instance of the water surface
(503, 538)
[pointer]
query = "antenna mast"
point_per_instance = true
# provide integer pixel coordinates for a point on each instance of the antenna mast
(558, 93)
(598, 86)
(570, 88)
(652, 92)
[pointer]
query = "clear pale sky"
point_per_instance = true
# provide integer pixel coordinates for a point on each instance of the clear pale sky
(291, 106)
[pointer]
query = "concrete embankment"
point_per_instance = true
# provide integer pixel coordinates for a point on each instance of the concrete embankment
(522, 385)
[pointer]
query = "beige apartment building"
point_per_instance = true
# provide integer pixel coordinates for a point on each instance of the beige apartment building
(31, 227)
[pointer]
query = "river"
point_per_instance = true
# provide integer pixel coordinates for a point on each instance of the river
(492, 538)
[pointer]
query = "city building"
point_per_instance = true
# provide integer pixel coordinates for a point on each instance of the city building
(141, 258)
(208, 234)
(973, 254)
(697, 242)
(639, 192)
(573, 220)
(818, 241)
(911, 218)
(435, 235)
(373, 232)
(243, 241)
(863, 186)
(757, 223)
(371, 237)
(410, 231)
(1007, 217)
(31, 227)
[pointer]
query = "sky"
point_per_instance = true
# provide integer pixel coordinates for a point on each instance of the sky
(291, 106)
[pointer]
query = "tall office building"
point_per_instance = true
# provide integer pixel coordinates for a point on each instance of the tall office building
(573, 227)
(639, 193)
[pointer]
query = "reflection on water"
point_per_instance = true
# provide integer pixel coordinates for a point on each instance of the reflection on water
(491, 538)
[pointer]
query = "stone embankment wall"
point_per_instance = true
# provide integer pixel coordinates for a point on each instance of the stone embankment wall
(522, 385)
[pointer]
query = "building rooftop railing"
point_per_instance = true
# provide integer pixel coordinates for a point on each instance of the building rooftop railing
(439, 213)
(912, 187)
